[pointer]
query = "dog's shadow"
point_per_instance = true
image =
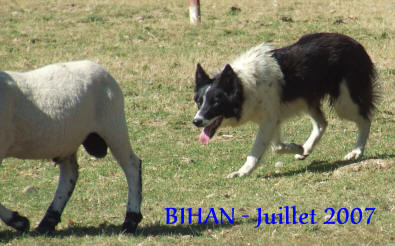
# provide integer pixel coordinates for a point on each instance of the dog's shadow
(106, 229)
(324, 166)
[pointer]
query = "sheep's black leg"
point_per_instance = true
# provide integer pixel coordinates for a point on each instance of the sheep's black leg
(13, 219)
(131, 165)
(133, 214)
(116, 137)
(67, 179)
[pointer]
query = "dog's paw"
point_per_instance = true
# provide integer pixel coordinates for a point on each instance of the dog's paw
(300, 157)
(236, 174)
(353, 155)
(285, 148)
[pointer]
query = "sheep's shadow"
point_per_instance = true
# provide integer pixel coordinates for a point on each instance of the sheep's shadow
(106, 229)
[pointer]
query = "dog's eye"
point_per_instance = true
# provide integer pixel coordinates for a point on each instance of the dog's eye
(199, 103)
(219, 97)
(215, 101)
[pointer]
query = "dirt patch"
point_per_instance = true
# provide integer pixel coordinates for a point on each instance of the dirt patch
(372, 164)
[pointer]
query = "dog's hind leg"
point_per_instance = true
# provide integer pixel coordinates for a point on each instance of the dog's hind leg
(262, 141)
(346, 108)
(319, 125)
(67, 179)
(363, 134)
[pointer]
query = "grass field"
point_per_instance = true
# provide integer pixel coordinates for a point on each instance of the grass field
(152, 50)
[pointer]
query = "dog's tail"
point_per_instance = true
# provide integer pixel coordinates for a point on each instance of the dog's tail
(361, 80)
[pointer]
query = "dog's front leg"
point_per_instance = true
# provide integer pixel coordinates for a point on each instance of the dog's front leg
(262, 141)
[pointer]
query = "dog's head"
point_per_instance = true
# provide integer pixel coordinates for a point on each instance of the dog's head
(217, 98)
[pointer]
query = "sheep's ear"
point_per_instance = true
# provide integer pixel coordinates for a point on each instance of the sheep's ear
(201, 77)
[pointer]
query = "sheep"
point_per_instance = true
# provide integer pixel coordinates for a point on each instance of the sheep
(48, 113)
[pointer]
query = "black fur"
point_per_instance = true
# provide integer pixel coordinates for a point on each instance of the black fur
(132, 219)
(314, 67)
(140, 180)
(95, 145)
(49, 222)
(201, 78)
(18, 222)
(225, 95)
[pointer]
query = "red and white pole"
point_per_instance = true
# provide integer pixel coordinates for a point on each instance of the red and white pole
(194, 11)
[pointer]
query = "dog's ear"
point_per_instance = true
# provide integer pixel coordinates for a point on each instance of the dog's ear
(201, 77)
(229, 80)
(231, 84)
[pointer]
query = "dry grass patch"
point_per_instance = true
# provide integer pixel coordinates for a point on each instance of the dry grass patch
(370, 165)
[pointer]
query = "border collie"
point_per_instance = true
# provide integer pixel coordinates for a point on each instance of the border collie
(268, 86)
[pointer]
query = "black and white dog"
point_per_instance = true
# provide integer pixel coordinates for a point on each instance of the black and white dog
(267, 86)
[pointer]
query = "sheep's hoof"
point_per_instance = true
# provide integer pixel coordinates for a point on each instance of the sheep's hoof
(132, 219)
(18, 222)
(44, 229)
(48, 224)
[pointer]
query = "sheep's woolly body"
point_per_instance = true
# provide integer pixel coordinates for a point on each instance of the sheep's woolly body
(52, 109)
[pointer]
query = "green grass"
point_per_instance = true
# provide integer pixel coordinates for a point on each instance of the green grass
(152, 51)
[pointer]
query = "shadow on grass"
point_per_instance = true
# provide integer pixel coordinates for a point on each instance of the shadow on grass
(324, 166)
(114, 230)
(176, 230)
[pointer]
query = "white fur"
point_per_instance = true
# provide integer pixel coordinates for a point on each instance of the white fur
(319, 126)
(347, 109)
(261, 77)
(199, 116)
(47, 113)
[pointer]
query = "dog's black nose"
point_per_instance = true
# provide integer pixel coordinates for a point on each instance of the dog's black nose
(197, 122)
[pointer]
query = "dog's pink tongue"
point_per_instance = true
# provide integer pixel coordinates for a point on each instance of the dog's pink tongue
(204, 138)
